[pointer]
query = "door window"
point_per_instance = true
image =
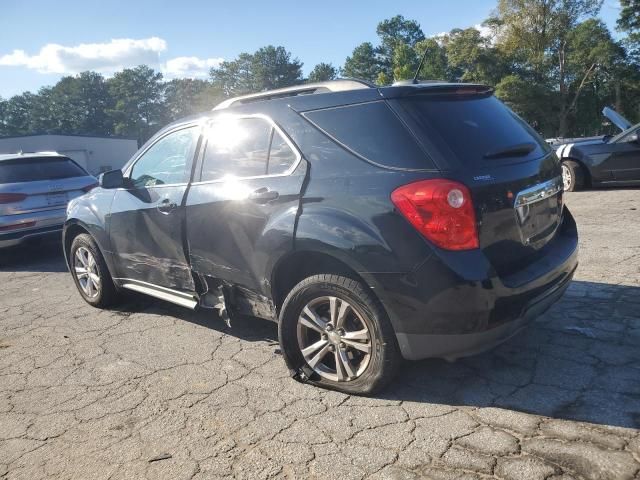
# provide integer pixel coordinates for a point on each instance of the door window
(245, 147)
(167, 161)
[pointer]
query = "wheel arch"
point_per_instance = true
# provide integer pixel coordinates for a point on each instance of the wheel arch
(588, 182)
(300, 264)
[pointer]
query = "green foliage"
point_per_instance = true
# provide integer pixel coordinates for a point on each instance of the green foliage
(435, 66)
(629, 23)
(395, 33)
(323, 72)
(362, 63)
(186, 96)
(268, 68)
(552, 61)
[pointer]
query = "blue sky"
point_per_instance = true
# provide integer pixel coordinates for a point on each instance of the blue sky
(42, 40)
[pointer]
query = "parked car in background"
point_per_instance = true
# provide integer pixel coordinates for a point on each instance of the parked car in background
(34, 191)
(601, 161)
(370, 223)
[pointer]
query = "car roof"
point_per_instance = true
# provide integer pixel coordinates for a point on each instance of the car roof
(356, 86)
(15, 156)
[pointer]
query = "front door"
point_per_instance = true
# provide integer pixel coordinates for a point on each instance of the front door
(625, 158)
(147, 218)
(242, 211)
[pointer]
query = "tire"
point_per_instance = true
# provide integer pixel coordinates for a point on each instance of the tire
(572, 176)
(362, 373)
(98, 289)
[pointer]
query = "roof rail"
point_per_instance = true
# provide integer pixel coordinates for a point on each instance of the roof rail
(339, 85)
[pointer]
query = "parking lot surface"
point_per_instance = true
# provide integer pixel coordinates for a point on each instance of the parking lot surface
(153, 391)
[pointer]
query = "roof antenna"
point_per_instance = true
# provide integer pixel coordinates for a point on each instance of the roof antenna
(415, 77)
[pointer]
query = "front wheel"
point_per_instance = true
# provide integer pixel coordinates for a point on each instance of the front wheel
(90, 272)
(335, 334)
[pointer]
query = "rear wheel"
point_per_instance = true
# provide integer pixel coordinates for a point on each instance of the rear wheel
(90, 273)
(335, 334)
(572, 176)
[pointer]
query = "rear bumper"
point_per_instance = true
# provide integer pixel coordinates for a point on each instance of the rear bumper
(455, 304)
(417, 346)
(37, 224)
(16, 238)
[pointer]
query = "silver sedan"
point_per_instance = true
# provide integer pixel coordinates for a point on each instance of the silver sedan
(34, 191)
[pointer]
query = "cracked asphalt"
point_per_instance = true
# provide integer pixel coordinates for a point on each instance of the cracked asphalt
(154, 391)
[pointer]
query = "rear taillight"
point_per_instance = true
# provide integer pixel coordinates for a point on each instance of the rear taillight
(12, 197)
(88, 188)
(441, 210)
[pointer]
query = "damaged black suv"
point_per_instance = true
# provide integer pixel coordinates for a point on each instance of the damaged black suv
(372, 224)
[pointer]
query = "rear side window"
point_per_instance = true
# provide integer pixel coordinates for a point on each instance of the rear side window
(472, 127)
(374, 132)
(245, 147)
(37, 169)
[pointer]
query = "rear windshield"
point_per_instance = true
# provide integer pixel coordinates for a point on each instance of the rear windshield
(473, 128)
(35, 169)
(374, 132)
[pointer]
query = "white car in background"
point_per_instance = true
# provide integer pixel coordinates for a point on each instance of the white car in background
(34, 191)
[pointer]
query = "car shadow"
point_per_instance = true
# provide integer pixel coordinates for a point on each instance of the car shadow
(579, 361)
(42, 255)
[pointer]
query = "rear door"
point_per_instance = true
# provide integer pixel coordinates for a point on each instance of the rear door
(146, 225)
(242, 208)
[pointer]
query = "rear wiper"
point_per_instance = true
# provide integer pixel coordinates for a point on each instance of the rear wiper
(518, 150)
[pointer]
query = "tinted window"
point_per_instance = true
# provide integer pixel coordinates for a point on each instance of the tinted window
(281, 156)
(373, 131)
(35, 169)
(167, 161)
(236, 147)
(471, 127)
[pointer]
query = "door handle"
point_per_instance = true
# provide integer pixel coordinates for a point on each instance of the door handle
(263, 195)
(166, 206)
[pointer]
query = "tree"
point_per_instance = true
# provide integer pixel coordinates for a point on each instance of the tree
(323, 72)
(472, 58)
(187, 96)
(362, 63)
(405, 62)
(393, 33)
(17, 114)
(629, 22)
(138, 110)
(268, 68)
(435, 60)
(534, 34)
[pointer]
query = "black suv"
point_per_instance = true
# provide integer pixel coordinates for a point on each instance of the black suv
(370, 223)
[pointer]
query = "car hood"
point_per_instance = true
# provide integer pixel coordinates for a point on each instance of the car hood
(617, 119)
(613, 116)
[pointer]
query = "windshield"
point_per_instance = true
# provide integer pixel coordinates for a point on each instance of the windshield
(621, 137)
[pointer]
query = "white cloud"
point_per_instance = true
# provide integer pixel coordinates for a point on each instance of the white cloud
(109, 57)
(102, 57)
(190, 67)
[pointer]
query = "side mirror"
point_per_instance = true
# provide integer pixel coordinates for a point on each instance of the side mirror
(634, 139)
(111, 179)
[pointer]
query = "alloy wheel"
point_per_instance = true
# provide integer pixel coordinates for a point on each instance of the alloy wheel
(86, 271)
(335, 339)
(566, 177)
